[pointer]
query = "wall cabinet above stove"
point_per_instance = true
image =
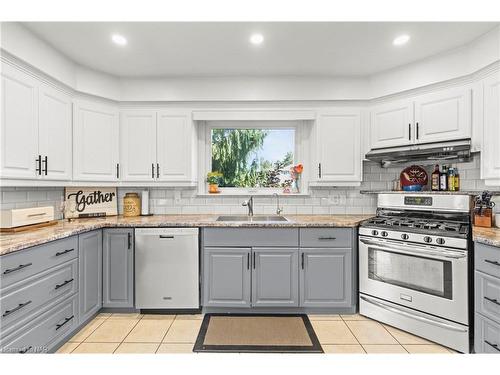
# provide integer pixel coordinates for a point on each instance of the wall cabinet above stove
(35, 128)
(434, 117)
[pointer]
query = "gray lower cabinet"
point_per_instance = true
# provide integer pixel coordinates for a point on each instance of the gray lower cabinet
(226, 277)
(325, 277)
(90, 273)
(275, 280)
(118, 268)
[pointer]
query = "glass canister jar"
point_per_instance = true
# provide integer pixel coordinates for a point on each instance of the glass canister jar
(131, 205)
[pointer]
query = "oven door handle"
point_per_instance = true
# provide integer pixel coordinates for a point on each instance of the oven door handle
(413, 315)
(436, 254)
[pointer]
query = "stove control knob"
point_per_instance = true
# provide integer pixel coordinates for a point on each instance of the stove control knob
(440, 241)
(427, 239)
(375, 232)
(404, 236)
(384, 233)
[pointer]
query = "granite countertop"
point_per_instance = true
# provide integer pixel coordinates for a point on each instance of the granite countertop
(487, 236)
(428, 192)
(10, 242)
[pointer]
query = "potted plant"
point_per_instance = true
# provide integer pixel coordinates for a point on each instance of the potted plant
(213, 180)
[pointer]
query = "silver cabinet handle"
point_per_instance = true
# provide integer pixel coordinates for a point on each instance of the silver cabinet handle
(20, 267)
(494, 262)
(17, 308)
(40, 214)
(157, 170)
(59, 253)
(164, 236)
(66, 320)
(45, 161)
(494, 346)
(492, 300)
(413, 315)
(327, 238)
(63, 284)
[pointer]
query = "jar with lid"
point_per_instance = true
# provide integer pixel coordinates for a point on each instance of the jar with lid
(131, 205)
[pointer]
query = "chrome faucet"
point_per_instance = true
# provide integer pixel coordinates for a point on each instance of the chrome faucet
(249, 203)
(279, 209)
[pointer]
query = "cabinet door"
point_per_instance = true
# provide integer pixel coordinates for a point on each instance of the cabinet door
(391, 124)
(118, 268)
(490, 158)
(95, 142)
(55, 133)
(19, 124)
(226, 277)
(174, 146)
(138, 145)
(325, 277)
(275, 279)
(338, 137)
(90, 273)
(443, 116)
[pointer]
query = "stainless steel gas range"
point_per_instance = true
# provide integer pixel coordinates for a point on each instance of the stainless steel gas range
(414, 265)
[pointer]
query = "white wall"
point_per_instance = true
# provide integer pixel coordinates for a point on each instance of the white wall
(22, 43)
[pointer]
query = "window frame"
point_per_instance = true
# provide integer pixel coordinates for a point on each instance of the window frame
(301, 153)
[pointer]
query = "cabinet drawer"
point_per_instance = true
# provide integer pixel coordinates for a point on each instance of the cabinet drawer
(23, 298)
(250, 237)
(487, 296)
(486, 335)
(25, 263)
(325, 237)
(44, 331)
(487, 259)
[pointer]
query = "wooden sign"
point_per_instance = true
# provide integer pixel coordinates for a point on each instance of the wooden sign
(82, 202)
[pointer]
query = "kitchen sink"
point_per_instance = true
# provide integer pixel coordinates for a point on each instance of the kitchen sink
(251, 219)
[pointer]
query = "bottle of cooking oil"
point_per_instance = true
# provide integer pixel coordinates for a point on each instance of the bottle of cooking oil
(457, 180)
(451, 179)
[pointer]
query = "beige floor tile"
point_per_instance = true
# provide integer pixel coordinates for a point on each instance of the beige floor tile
(136, 348)
(125, 316)
(94, 348)
(86, 331)
(354, 317)
(324, 317)
(183, 331)
(189, 317)
(158, 317)
(405, 337)
(343, 349)
(149, 330)
(426, 349)
(112, 330)
(384, 349)
(175, 348)
(104, 315)
(370, 332)
(333, 332)
(67, 347)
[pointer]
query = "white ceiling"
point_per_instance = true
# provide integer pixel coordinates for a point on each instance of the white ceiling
(214, 49)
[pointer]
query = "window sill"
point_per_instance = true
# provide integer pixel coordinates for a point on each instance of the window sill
(246, 194)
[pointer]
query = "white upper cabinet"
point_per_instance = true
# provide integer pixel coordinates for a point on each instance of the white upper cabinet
(19, 128)
(138, 145)
(443, 115)
(95, 142)
(55, 133)
(392, 124)
(338, 146)
(174, 144)
(490, 155)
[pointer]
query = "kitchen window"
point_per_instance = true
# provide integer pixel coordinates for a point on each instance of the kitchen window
(253, 157)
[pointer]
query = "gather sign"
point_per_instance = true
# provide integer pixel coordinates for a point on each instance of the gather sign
(82, 202)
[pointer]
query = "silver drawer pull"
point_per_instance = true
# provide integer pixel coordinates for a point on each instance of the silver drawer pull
(25, 350)
(40, 214)
(494, 346)
(64, 252)
(66, 320)
(494, 262)
(63, 284)
(492, 300)
(20, 267)
(165, 236)
(327, 238)
(18, 307)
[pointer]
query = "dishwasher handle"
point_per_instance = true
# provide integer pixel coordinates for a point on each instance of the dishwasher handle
(166, 236)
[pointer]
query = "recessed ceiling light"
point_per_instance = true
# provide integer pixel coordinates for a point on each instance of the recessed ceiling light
(256, 39)
(119, 39)
(401, 40)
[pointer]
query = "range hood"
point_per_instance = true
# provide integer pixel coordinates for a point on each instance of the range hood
(451, 151)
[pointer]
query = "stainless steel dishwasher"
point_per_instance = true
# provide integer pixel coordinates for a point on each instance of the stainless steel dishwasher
(167, 268)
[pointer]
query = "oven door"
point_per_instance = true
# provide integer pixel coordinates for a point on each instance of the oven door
(426, 278)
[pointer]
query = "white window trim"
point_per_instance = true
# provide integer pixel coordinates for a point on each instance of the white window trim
(301, 154)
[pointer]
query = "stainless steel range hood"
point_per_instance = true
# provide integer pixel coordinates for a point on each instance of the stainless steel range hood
(451, 151)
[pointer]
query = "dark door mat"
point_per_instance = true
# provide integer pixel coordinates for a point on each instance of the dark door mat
(251, 333)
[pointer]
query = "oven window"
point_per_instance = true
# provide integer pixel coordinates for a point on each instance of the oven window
(427, 275)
